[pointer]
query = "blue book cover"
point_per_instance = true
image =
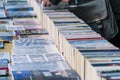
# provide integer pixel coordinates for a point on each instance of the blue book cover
(1, 44)
(101, 44)
(21, 14)
(19, 7)
(6, 38)
(17, 0)
(3, 63)
(112, 63)
(110, 73)
(2, 13)
(101, 53)
(45, 75)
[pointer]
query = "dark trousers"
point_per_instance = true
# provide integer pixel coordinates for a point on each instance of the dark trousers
(115, 4)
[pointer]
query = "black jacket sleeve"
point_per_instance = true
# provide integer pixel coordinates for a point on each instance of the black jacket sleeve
(55, 2)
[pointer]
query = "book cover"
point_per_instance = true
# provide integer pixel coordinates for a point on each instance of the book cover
(3, 27)
(21, 14)
(2, 14)
(26, 21)
(15, 27)
(46, 75)
(36, 58)
(64, 21)
(19, 7)
(53, 65)
(5, 55)
(17, 0)
(31, 32)
(5, 21)
(101, 53)
(107, 68)
(6, 38)
(15, 3)
(27, 58)
(40, 49)
(7, 33)
(110, 73)
(34, 36)
(112, 63)
(1, 4)
(3, 67)
(1, 44)
(54, 57)
(32, 26)
(83, 34)
(73, 27)
(26, 42)
(92, 45)
(113, 78)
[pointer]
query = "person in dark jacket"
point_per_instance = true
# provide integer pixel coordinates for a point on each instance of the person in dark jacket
(114, 4)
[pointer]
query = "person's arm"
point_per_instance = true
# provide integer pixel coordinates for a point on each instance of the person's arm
(54, 2)
(45, 2)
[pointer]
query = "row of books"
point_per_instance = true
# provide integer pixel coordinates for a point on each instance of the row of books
(34, 54)
(17, 9)
(93, 57)
(31, 57)
(7, 33)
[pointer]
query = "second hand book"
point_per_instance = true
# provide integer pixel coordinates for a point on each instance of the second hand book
(46, 75)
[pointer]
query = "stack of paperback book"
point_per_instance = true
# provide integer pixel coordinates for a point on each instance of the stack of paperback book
(31, 58)
(30, 26)
(6, 35)
(93, 57)
(18, 9)
(34, 54)
(4, 70)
